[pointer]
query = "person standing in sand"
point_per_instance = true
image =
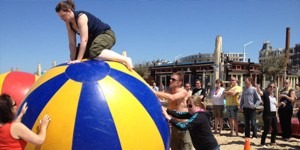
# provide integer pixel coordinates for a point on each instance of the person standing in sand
(198, 124)
(269, 114)
(218, 105)
(232, 105)
(176, 97)
(250, 100)
(286, 98)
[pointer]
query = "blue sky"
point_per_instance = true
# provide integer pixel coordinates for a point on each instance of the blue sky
(32, 33)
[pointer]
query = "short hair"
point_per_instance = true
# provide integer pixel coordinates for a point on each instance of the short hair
(250, 80)
(180, 75)
(6, 111)
(198, 80)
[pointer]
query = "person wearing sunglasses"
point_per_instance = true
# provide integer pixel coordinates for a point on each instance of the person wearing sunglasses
(96, 37)
(13, 133)
(285, 111)
(198, 124)
(176, 97)
(270, 104)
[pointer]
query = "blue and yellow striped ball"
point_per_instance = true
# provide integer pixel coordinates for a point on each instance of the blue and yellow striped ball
(96, 105)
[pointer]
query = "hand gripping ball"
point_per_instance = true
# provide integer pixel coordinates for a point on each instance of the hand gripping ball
(96, 105)
(16, 84)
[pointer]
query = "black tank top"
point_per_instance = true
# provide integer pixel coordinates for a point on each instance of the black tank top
(95, 25)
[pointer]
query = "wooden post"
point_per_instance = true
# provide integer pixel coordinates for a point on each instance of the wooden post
(287, 52)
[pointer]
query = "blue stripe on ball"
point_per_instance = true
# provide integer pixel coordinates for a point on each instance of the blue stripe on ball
(146, 98)
(93, 116)
(42, 95)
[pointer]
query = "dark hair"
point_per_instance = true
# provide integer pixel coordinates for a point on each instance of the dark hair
(199, 81)
(65, 5)
(6, 111)
(272, 82)
(250, 80)
(220, 81)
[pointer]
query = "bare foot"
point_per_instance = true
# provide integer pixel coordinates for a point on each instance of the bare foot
(237, 133)
(128, 64)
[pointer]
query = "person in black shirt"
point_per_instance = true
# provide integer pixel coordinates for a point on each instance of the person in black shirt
(199, 91)
(198, 124)
(96, 37)
(285, 111)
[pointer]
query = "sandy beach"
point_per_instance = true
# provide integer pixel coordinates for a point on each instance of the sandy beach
(237, 142)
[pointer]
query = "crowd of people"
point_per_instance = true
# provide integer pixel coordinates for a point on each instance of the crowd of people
(187, 111)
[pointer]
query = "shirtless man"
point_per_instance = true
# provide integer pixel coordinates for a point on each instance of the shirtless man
(188, 88)
(176, 97)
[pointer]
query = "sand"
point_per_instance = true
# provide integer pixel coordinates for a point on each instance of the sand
(237, 142)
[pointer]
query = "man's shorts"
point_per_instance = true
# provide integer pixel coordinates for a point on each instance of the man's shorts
(232, 111)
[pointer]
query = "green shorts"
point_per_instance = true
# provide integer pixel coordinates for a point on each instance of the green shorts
(105, 40)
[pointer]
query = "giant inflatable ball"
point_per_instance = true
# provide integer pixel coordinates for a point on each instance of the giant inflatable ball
(96, 105)
(16, 84)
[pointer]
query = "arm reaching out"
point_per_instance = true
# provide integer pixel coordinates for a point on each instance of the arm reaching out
(20, 131)
(23, 111)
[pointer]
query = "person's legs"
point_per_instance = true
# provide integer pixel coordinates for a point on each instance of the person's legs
(274, 128)
(175, 142)
(215, 114)
(289, 114)
(247, 122)
(235, 121)
(253, 122)
(266, 130)
(180, 140)
(220, 109)
(100, 49)
(187, 143)
(113, 56)
(221, 117)
(103, 41)
(231, 118)
(282, 120)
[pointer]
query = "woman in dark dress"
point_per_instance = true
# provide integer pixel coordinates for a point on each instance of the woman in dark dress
(286, 98)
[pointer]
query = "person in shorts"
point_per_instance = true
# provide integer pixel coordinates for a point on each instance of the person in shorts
(218, 105)
(232, 103)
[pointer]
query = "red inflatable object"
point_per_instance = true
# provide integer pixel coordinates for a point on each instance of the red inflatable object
(16, 84)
